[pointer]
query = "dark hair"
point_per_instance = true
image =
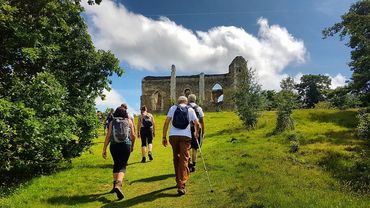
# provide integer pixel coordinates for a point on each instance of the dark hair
(124, 105)
(120, 112)
(143, 108)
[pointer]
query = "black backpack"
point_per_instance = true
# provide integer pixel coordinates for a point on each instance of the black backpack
(146, 121)
(180, 118)
(121, 130)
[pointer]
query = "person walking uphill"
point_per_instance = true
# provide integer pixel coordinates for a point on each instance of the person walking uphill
(195, 141)
(180, 139)
(121, 136)
(146, 130)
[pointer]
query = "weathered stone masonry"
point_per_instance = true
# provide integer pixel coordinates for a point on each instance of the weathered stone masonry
(159, 92)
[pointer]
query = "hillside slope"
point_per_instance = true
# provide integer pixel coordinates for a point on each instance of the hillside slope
(247, 169)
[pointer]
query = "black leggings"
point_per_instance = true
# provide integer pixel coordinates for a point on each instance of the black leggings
(120, 153)
(146, 136)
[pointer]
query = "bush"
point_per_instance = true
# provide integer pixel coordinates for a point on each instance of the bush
(287, 100)
(363, 128)
(323, 105)
(248, 98)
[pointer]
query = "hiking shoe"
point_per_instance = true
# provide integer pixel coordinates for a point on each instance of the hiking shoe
(117, 189)
(143, 160)
(150, 156)
(192, 169)
(181, 191)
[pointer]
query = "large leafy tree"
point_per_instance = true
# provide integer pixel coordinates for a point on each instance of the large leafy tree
(311, 88)
(50, 71)
(355, 24)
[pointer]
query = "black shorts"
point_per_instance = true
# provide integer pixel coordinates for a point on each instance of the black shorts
(194, 143)
(146, 136)
(120, 153)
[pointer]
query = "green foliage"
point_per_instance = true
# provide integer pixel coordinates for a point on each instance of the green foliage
(311, 88)
(323, 105)
(363, 128)
(342, 98)
(248, 98)
(51, 72)
(355, 24)
(270, 98)
(286, 101)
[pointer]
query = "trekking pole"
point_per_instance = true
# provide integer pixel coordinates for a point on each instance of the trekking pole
(204, 165)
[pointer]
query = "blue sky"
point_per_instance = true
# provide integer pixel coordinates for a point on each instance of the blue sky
(279, 38)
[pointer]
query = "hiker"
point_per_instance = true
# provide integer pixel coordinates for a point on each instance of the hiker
(108, 119)
(195, 141)
(121, 136)
(180, 139)
(146, 130)
(124, 106)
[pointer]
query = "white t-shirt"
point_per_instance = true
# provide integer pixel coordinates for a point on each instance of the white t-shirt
(199, 109)
(181, 132)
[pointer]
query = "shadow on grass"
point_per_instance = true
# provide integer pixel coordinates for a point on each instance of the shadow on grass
(73, 200)
(342, 118)
(154, 178)
(228, 131)
(143, 198)
(352, 172)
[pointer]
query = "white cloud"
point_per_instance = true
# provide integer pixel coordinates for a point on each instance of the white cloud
(112, 100)
(338, 81)
(151, 44)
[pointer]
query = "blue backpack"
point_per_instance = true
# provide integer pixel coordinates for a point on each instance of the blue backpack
(180, 118)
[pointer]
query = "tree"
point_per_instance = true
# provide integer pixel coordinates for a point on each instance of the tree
(50, 69)
(342, 98)
(286, 100)
(248, 97)
(355, 24)
(269, 96)
(311, 88)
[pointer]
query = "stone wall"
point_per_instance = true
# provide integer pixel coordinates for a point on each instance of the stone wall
(156, 91)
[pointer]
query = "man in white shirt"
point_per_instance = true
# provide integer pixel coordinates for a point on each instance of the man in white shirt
(180, 139)
(194, 143)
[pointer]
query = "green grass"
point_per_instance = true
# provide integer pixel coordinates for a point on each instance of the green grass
(247, 169)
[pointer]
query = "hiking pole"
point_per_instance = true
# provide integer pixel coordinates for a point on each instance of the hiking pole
(204, 165)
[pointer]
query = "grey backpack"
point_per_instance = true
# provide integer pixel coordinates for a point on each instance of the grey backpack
(121, 130)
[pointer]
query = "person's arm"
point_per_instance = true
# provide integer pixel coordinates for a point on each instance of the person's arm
(165, 128)
(153, 126)
(106, 141)
(201, 121)
(133, 135)
(196, 128)
(138, 126)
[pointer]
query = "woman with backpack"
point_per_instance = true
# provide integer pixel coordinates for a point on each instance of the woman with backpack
(146, 130)
(121, 136)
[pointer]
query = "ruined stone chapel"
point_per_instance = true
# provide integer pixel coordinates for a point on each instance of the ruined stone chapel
(213, 91)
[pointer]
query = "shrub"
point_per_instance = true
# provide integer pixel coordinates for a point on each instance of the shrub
(248, 98)
(363, 128)
(286, 100)
(323, 105)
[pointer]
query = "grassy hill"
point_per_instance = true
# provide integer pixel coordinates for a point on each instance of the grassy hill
(247, 169)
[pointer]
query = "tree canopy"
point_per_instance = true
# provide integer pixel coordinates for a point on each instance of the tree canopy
(51, 72)
(311, 88)
(355, 24)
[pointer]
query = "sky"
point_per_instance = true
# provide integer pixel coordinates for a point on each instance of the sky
(277, 38)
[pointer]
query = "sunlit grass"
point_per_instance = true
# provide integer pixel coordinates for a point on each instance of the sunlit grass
(247, 169)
